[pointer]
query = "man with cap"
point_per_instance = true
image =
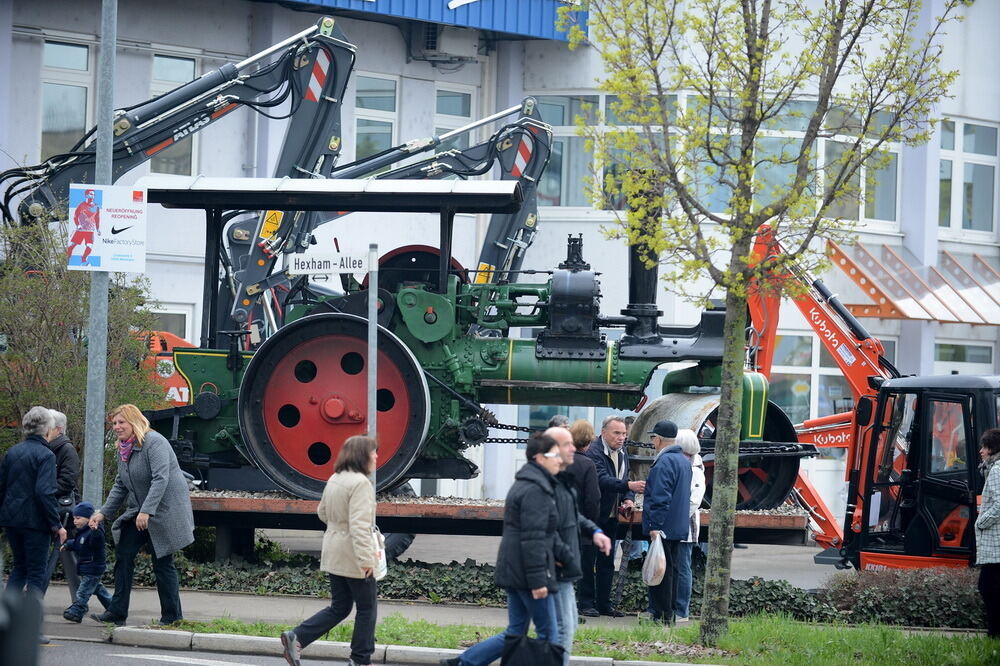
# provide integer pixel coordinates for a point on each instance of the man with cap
(89, 548)
(665, 509)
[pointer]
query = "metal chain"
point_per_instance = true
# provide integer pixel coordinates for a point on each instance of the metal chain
(518, 440)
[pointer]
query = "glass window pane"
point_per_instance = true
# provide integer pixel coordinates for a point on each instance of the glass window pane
(376, 94)
(848, 205)
(792, 117)
(563, 109)
(977, 197)
(890, 350)
(791, 393)
(793, 350)
(65, 56)
(979, 139)
(948, 134)
(880, 192)
(776, 167)
(175, 70)
(944, 194)
(708, 185)
(841, 120)
(171, 322)
(64, 117)
(947, 437)
(453, 103)
(565, 179)
(613, 112)
(834, 395)
(373, 136)
(175, 160)
(457, 142)
(954, 353)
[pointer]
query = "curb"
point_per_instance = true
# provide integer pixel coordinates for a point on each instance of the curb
(267, 646)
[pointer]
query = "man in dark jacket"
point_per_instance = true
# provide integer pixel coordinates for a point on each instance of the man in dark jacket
(666, 510)
(28, 502)
(611, 461)
(529, 549)
(571, 526)
(67, 495)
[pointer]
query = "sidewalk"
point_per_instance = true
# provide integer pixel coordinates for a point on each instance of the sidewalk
(145, 609)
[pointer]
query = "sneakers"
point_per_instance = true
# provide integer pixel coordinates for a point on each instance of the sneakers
(108, 616)
(682, 619)
(449, 662)
(613, 612)
(72, 617)
(589, 612)
(293, 651)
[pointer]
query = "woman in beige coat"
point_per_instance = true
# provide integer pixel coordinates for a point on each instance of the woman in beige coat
(349, 555)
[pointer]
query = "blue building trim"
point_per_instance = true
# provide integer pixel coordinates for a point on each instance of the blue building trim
(524, 18)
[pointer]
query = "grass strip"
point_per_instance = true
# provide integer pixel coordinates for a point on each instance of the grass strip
(761, 640)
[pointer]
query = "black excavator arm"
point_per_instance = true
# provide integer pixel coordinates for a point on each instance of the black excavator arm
(309, 71)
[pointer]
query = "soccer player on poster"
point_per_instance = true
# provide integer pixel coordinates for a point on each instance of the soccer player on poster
(87, 219)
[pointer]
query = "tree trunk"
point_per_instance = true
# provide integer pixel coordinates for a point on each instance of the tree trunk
(718, 571)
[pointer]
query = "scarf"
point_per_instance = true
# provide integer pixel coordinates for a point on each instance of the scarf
(125, 448)
(984, 467)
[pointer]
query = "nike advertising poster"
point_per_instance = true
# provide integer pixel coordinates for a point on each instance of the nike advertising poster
(107, 229)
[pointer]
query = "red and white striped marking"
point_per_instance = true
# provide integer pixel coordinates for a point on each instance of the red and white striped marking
(523, 155)
(318, 78)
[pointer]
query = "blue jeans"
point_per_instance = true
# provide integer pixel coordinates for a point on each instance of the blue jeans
(566, 617)
(682, 606)
(521, 608)
(30, 550)
(89, 584)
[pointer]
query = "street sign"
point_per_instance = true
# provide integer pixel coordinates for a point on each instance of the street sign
(327, 264)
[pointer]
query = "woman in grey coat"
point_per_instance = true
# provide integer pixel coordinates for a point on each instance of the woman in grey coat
(157, 512)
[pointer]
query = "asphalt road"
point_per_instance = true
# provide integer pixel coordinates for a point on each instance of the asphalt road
(80, 653)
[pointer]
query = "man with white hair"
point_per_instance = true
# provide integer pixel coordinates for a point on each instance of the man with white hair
(67, 495)
(28, 502)
(665, 509)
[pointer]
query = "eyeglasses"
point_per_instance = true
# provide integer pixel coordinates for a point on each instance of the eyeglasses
(551, 454)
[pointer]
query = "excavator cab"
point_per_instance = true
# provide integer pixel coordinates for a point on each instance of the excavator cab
(917, 473)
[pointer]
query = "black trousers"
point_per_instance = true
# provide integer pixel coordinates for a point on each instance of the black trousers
(606, 566)
(989, 587)
(664, 595)
(586, 593)
(344, 593)
(167, 583)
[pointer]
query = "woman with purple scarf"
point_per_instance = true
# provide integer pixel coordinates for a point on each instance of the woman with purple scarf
(157, 513)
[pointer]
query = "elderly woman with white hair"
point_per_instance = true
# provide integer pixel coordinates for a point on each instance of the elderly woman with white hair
(691, 448)
(28, 502)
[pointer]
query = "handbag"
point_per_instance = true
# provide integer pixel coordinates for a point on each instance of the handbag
(655, 565)
(381, 566)
(526, 651)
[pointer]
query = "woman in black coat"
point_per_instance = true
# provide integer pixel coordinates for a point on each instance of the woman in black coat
(28, 503)
(526, 560)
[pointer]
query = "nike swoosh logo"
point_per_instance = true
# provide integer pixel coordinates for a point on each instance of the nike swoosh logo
(118, 231)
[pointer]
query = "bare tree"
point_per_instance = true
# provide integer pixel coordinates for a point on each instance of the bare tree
(730, 115)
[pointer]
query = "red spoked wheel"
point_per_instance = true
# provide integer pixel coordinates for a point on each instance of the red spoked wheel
(305, 392)
(764, 480)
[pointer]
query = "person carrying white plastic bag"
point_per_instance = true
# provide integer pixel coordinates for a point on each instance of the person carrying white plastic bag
(656, 562)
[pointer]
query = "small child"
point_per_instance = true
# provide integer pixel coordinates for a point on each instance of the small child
(89, 547)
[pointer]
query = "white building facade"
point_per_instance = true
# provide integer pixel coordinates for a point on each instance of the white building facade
(447, 63)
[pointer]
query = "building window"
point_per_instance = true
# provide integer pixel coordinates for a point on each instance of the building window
(374, 115)
(452, 110)
(967, 176)
(66, 82)
(171, 322)
(806, 381)
(564, 182)
(954, 358)
(169, 72)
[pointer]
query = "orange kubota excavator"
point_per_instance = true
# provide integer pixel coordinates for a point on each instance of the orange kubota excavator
(911, 442)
